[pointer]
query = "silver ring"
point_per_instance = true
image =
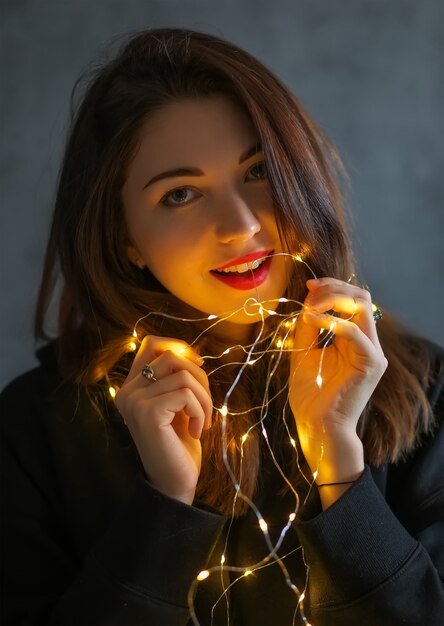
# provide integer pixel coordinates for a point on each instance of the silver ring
(148, 372)
(377, 313)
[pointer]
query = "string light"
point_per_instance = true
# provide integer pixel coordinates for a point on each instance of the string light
(112, 392)
(279, 338)
(263, 525)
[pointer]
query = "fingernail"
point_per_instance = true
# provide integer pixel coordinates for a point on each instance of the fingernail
(312, 282)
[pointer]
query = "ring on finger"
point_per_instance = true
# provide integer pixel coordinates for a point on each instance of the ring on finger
(148, 372)
(377, 313)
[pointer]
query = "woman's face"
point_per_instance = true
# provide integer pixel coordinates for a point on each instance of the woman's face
(197, 199)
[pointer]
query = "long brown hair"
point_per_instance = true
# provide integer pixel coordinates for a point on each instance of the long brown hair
(103, 294)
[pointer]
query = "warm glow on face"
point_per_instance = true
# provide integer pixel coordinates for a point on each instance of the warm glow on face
(184, 227)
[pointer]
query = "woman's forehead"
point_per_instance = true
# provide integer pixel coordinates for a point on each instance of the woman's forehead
(193, 131)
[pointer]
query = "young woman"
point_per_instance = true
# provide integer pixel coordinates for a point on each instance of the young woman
(220, 433)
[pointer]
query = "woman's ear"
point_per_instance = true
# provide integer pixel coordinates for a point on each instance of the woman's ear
(135, 257)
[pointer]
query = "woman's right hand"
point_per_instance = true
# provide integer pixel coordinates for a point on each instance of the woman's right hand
(166, 417)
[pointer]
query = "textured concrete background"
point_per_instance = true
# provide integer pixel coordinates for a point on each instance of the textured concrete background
(369, 71)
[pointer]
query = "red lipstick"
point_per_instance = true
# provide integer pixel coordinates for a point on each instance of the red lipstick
(252, 256)
(251, 278)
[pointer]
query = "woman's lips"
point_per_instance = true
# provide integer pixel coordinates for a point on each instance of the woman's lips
(252, 256)
(248, 280)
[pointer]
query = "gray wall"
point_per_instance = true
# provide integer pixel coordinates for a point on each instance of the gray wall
(368, 70)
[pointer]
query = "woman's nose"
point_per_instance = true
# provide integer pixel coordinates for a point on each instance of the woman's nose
(236, 222)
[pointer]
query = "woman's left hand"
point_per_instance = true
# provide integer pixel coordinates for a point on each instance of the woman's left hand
(327, 404)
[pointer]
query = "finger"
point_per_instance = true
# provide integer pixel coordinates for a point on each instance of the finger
(347, 300)
(170, 362)
(158, 413)
(315, 283)
(139, 387)
(183, 379)
(366, 353)
(305, 335)
(153, 346)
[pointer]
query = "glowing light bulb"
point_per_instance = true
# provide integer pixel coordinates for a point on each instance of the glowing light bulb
(302, 597)
(212, 317)
(222, 559)
(270, 312)
(244, 438)
(264, 432)
(203, 574)
(261, 310)
(297, 257)
(263, 525)
(112, 392)
(315, 474)
(134, 333)
(132, 346)
(283, 300)
(279, 343)
(292, 517)
(226, 351)
(251, 361)
(332, 326)
(293, 442)
(224, 411)
(374, 307)
(319, 380)
(247, 572)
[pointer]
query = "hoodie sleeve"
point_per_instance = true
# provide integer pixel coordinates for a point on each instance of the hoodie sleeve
(137, 572)
(368, 568)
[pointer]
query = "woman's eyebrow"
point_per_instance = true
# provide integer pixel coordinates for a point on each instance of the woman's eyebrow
(250, 152)
(194, 171)
(181, 171)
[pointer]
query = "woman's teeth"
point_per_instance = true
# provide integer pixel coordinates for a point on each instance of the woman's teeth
(240, 269)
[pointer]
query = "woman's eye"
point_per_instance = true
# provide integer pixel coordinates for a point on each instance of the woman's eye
(259, 170)
(177, 197)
